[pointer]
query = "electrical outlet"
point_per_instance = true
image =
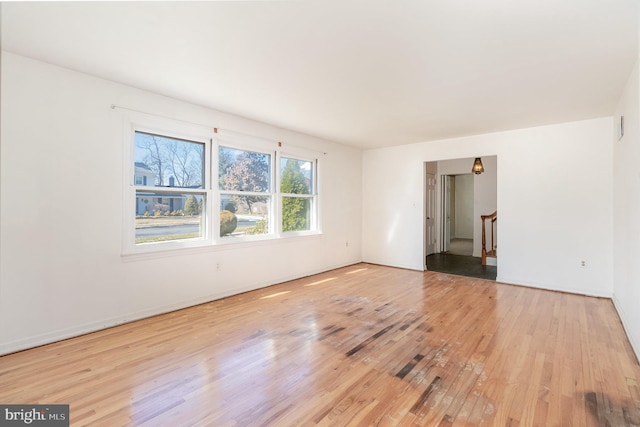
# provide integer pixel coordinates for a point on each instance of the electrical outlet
(346, 244)
(583, 264)
(217, 266)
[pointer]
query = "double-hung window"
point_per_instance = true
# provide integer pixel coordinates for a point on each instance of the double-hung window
(245, 185)
(170, 196)
(186, 191)
(297, 193)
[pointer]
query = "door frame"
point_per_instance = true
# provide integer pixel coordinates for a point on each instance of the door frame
(445, 217)
(431, 214)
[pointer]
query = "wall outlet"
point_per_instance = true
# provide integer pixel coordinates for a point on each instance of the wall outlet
(346, 244)
(583, 264)
(217, 266)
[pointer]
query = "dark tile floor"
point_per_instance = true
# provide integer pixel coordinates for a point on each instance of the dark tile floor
(461, 265)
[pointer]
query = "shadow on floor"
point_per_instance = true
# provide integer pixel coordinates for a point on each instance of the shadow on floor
(461, 265)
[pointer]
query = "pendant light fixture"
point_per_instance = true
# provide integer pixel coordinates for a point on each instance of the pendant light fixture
(477, 166)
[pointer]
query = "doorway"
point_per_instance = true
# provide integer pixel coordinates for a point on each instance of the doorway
(461, 198)
(457, 214)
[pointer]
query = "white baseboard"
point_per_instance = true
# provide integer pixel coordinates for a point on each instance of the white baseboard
(550, 287)
(621, 314)
(416, 267)
(63, 334)
(625, 324)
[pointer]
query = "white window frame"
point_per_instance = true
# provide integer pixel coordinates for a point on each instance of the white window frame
(247, 145)
(167, 129)
(314, 227)
(211, 239)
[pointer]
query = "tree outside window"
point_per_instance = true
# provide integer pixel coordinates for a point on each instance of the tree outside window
(244, 180)
(169, 182)
(296, 188)
(171, 193)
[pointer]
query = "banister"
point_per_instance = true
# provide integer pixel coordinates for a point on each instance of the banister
(492, 252)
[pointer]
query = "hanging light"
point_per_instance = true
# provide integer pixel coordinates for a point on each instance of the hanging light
(477, 166)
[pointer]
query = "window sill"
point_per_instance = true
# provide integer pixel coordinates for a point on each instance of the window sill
(165, 250)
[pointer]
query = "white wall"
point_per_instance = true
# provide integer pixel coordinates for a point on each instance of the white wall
(62, 212)
(464, 206)
(554, 202)
(626, 211)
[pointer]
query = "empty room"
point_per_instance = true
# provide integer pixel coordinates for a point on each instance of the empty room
(235, 213)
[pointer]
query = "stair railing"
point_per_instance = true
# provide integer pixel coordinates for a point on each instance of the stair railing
(493, 251)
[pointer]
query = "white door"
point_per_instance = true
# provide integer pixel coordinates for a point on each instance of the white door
(446, 211)
(431, 215)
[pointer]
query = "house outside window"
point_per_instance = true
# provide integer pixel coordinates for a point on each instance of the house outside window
(193, 191)
(169, 179)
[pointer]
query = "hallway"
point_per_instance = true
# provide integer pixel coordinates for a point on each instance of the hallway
(462, 265)
(461, 247)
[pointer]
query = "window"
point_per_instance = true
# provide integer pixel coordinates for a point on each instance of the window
(175, 202)
(168, 180)
(296, 188)
(244, 180)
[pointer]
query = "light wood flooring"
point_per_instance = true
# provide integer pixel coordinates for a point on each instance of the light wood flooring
(362, 345)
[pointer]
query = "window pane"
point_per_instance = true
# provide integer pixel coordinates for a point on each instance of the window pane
(168, 162)
(162, 217)
(240, 170)
(296, 176)
(244, 215)
(296, 213)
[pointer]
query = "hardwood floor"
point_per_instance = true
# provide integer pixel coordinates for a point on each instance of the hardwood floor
(362, 345)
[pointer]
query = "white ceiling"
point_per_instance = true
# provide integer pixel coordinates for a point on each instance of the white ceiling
(365, 73)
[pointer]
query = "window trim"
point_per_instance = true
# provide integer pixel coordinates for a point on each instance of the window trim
(314, 227)
(179, 131)
(272, 193)
(211, 239)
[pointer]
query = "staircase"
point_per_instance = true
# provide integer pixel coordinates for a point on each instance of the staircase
(491, 253)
